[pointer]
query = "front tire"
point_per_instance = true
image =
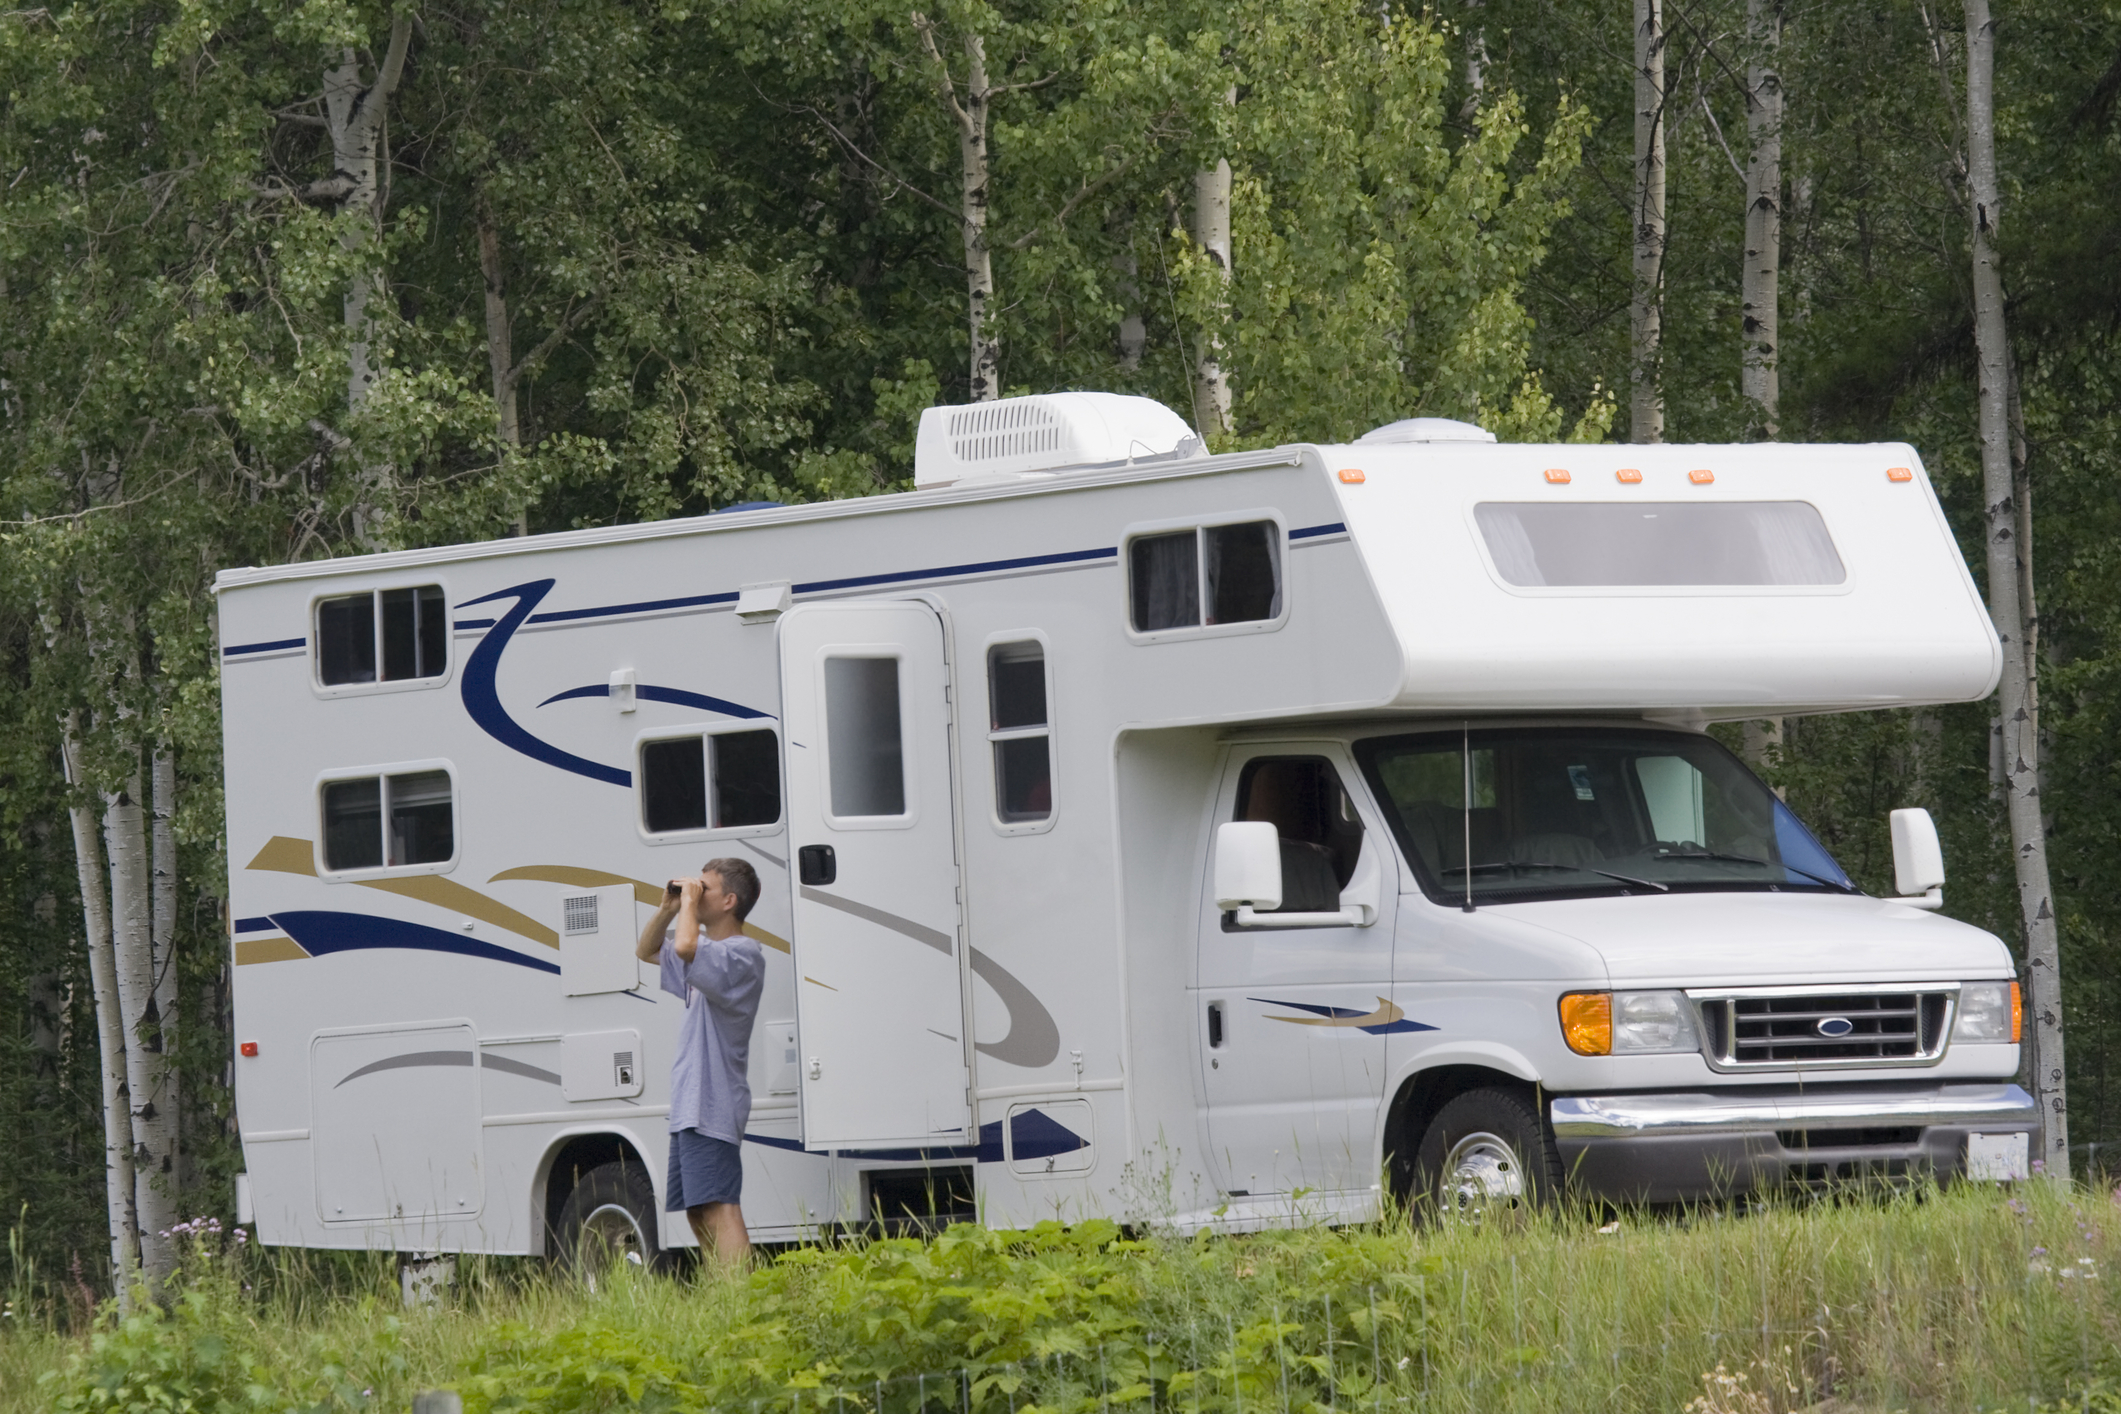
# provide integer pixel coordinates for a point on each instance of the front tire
(1486, 1158)
(608, 1220)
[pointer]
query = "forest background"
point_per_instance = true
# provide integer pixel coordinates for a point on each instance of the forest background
(280, 282)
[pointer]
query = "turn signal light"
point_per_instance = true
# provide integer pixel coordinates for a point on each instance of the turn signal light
(1587, 1022)
(248, 1048)
(2017, 1013)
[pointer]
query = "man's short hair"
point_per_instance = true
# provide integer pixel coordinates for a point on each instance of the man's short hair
(737, 878)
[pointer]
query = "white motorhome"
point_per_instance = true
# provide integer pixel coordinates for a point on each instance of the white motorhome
(1219, 841)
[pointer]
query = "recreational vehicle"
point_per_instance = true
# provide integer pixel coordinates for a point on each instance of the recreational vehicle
(1212, 841)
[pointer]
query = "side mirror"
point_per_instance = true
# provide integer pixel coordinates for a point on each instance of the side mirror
(1918, 859)
(1247, 865)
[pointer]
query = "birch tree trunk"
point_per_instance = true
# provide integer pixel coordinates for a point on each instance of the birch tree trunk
(1646, 311)
(1760, 286)
(168, 1122)
(354, 112)
(125, 850)
(1476, 36)
(971, 115)
(1211, 232)
(500, 343)
(110, 1027)
(2009, 560)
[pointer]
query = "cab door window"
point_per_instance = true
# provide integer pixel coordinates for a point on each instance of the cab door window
(1321, 833)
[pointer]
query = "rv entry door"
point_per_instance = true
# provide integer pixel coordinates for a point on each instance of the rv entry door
(880, 1012)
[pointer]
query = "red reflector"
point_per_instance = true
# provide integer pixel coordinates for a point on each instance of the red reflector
(248, 1048)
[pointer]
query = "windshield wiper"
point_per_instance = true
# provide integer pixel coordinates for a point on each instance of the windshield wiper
(1571, 868)
(1846, 888)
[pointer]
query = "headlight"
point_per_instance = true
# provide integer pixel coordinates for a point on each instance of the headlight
(1630, 1023)
(1653, 1021)
(1988, 1011)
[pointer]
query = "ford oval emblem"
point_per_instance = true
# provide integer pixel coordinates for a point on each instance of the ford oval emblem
(1836, 1026)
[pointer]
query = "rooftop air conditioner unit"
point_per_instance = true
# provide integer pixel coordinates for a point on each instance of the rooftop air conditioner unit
(1044, 433)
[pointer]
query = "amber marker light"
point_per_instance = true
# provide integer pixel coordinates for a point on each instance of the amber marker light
(2017, 1013)
(1627, 476)
(1702, 477)
(248, 1048)
(1351, 475)
(1899, 473)
(1557, 476)
(1587, 1022)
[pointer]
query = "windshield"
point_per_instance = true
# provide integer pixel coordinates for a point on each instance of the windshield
(1553, 811)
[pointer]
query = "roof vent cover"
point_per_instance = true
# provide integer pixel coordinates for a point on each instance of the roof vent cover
(1043, 433)
(1427, 429)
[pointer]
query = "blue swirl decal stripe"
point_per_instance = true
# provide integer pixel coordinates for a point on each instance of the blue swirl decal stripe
(648, 692)
(1034, 1134)
(482, 700)
(321, 932)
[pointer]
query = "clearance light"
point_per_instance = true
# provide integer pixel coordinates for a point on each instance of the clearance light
(1702, 477)
(248, 1048)
(1628, 476)
(1558, 476)
(1899, 473)
(1587, 1022)
(1351, 475)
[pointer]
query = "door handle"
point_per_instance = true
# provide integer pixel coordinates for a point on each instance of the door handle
(816, 864)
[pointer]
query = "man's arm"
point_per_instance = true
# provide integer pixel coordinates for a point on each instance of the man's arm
(650, 947)
(687, 939)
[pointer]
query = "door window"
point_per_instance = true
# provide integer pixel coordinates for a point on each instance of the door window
(1321, 833)
(863, 737)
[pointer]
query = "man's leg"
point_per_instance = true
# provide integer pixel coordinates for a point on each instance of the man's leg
(719, 1228)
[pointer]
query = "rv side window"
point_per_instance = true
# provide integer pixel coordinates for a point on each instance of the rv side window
(406, 631)
(1216, 574)
(1020, 733)
(865, 755)
(376, 822)
(718, 781)
(1321, 834)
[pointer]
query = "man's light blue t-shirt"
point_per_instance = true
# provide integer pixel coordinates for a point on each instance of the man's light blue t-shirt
(710, 1082)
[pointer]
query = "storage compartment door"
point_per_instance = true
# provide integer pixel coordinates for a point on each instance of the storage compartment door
(880, 1013)
(396, 1132)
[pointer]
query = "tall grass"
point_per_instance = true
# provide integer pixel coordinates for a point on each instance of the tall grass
(1969, 1299)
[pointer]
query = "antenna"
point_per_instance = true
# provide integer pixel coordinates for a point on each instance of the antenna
(1465, 813)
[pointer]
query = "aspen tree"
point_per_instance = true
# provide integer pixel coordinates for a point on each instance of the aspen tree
(2009, 552)
(1646, 305)
(1759, 298)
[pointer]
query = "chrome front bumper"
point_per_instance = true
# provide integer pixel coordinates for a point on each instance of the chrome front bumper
(1664, 1146)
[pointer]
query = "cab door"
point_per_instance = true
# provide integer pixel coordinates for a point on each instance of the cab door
(1293, 1021)
(878, 947)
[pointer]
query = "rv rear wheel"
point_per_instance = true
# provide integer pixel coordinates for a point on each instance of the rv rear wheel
(608, 1220)
(1486, 1158)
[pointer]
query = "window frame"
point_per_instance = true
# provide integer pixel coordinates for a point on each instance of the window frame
(1379, 843)
(1848, 584)
(376, 589)
(994, 796)
(382, 774)
(703, 730)
(1142, 530)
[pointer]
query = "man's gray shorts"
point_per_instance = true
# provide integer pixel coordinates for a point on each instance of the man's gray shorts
(702, 1170)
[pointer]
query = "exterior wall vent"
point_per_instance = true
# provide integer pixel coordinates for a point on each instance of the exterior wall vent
(1045, 433)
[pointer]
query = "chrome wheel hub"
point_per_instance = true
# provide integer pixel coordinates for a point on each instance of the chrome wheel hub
(610, 1235)
(1481, 1175)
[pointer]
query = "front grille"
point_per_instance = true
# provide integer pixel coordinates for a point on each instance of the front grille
(1770, 1027)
